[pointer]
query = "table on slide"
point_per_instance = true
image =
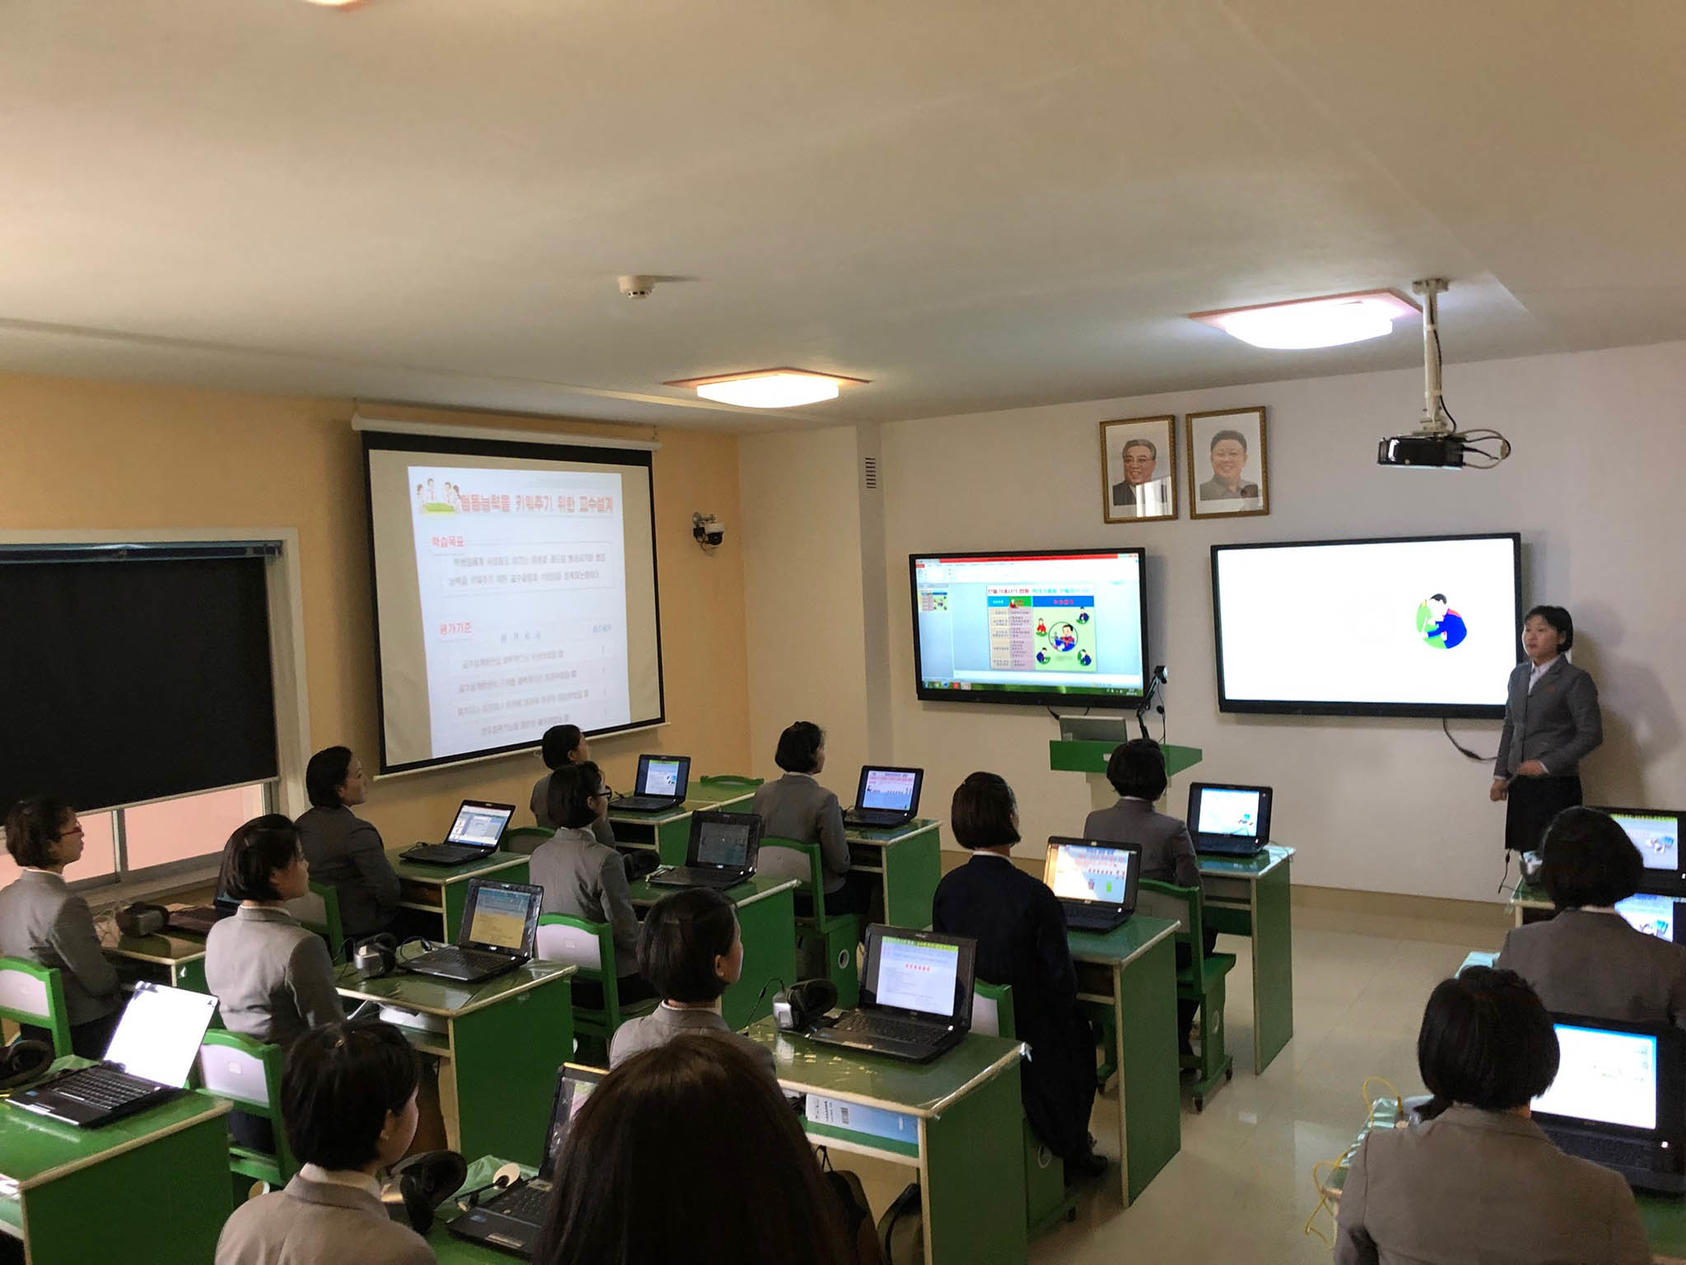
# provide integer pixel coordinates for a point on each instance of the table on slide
(151, 1189)
(434, 894)
(907, 860)
(669, 833)
(767, 921)
(498, 1042)
(1133, 969)
(1251, 896)
(170, 957)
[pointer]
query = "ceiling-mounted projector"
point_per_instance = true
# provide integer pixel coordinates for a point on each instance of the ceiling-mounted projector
(1437, 443)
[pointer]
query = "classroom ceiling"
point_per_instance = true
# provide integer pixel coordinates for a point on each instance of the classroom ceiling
(975, 204)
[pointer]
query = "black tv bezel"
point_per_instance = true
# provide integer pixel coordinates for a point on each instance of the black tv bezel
(1029, 698)
(1314, 707)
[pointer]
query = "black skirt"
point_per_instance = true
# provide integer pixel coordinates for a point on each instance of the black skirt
(1530, 806)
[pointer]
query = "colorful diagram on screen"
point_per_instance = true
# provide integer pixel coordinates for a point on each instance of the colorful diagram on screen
(1441, 626)
(1045, 632)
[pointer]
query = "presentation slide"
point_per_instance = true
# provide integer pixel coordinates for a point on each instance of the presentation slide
(159, 1030)
(888, 788)
(1425, 627)
(1224, 812)
(1092, 874)
(500, 918)
(661, 777)
(1654, 915)
(1656, 835)
(917, 975)
(723, 843)
(483, 826)
(1029, 628)
(1606, 1076)
(514, 590)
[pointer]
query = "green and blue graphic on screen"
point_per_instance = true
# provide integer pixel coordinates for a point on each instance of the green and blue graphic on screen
(1441, 626)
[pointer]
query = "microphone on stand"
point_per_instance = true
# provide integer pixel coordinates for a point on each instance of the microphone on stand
(1159, 677)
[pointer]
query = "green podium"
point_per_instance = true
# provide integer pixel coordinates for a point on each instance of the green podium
(1087, 756)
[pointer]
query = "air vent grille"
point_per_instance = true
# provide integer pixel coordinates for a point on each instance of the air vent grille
(869, 472)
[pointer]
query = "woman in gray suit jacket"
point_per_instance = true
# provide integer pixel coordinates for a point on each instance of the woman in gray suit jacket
(798, 807)
(1552, 723)
(343, 849)
(1478, 1180)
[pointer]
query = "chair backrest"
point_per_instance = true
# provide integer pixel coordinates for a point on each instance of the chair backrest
(248, 1073)
(34, 994)
(792, 858)
(992, 1009)
(590, 946)
(1167, 900)
(318, 910)
(524, 840)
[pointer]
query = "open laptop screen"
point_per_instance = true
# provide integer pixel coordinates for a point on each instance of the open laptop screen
(917, 974)
(501, 916)
(1604, 1076)
(724, 839)
(480, 825)
(892, 789)
(662, 775)
(1233, 812)
(1655, 834)
(573, 1087)
(1083, 872)
(159, 1034)
(1655, 915)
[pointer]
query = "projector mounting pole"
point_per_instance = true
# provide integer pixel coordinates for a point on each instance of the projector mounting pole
(1435, 421)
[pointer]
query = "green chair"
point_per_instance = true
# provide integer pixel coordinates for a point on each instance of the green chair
(590, 946)
(830, 936)
(319, 911)
(34, 994)
(524, 840)
(730, 781)
(248, 1074)
(1201, 981)
(1047, 1200)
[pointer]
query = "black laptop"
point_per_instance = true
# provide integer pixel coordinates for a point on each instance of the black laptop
(885, 798)
(511, 1220)
(1095, 882)
(662, 783)
(1618, 1099)
(721, 852)
(476, 833)
(500, 924)
(148, 1061)
(1656, 833)
(197, 920)
(1228, 820)
(916, 996)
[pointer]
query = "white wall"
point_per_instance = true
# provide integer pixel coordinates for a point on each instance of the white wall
(1595, 487)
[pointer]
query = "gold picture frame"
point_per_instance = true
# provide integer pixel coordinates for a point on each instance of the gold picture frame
(1234, 490)
(1143, 487)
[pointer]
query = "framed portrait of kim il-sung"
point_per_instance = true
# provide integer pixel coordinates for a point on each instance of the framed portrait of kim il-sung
(1228, 467)
(1139, 469)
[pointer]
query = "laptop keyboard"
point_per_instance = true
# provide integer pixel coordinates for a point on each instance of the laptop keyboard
(862, 1023)
(448, 853)
(104, 1087)
(455, 957)
(526, 1202)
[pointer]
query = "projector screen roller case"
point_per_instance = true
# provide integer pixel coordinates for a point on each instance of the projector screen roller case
(1032, 628)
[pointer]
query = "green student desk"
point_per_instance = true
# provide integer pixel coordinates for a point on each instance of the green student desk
(669, 833)
(149, 1189)
(1250, 896)
(171, 957)
(956, 1122)
(498, 1042)
(767, 921)
(1529, 903)
(435, 893)
(1133, 969)
(908, 862)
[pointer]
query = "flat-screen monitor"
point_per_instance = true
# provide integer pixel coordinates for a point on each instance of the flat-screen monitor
(1414, 626)
(1656, 834)
(1040, 627)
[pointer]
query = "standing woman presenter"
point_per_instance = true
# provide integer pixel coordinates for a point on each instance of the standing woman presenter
(1552, 723)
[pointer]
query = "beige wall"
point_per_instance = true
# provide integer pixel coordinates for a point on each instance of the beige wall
(96, 455)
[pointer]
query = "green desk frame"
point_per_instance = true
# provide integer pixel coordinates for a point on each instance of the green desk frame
(1077, 756)
(1133, 969)
(498, 1043)
(1251, 897)
(149, 1190)
(908, 862)
(170, 957)
(767, 921)
(964, 1134)
(669, 833)
(438, 891)
(1529, 903)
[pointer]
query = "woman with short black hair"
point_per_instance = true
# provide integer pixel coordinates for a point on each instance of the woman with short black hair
(1478, 1180)
(348, 1098)
(797, 807)
(1588, 960)
(345, 851)
(564, 745)
(1021, 935)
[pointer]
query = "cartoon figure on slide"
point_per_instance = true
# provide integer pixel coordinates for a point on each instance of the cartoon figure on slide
(1441, 626)
(1065, 638)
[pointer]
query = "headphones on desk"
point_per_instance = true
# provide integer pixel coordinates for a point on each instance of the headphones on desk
(22, 1061)
(420, 1183)
(375, 956)
(142, 919)
(798, 1007)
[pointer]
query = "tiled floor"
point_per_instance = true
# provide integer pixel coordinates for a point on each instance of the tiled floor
(1241, 1190)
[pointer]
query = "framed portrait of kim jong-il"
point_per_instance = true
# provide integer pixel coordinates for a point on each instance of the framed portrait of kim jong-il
(1139, 469)
(1228, 467)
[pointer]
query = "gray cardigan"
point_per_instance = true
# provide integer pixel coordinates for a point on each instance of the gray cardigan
(584, 879)
(346, 851)
(42, 920)
(664, 1023)
(797, 807)
(1558, 724)
(1483, 1186)
(1167, 849)
(273, 980)
(1584, 962)
(318, 1223)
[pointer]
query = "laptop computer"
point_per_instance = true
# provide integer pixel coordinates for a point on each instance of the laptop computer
(500, 924)
(1656, 915)
(147, 1062)
(662, 782)
(475, 833)
(1228, 820)
(721, 852)
(1618, 1097)
(198, 920)
(1095, 882)
(511, 1219)
(886, 797)
(1656, 833)
(916, 996)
